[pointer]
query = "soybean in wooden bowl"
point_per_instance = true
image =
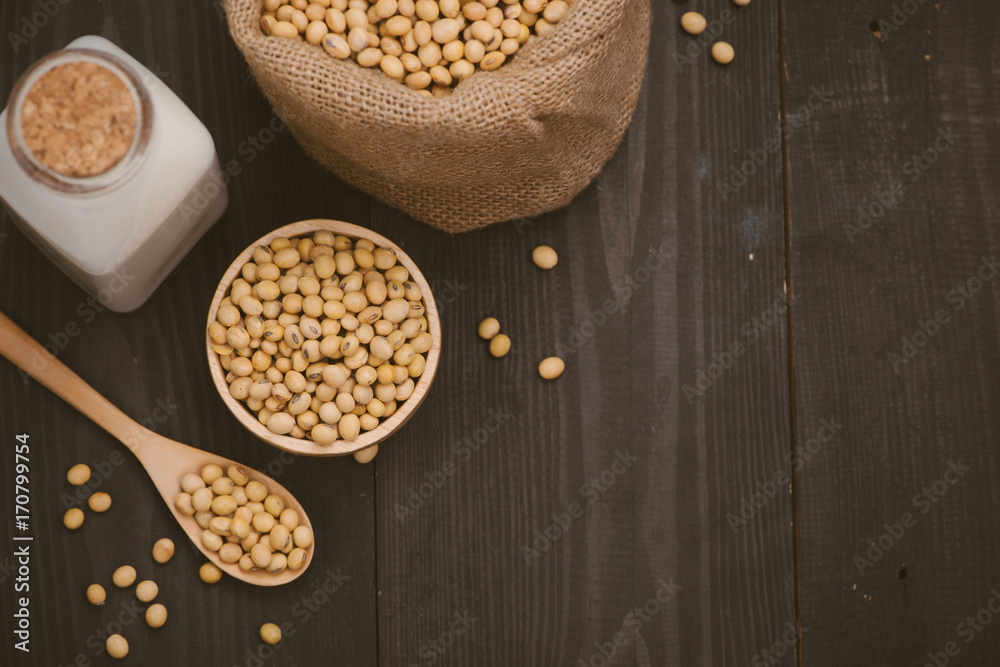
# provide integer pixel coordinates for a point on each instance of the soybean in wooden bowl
(299, 440)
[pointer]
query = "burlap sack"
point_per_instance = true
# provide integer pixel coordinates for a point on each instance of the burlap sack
(518, 141)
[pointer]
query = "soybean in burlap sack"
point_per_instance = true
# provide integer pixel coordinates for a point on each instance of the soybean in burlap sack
(514, 142)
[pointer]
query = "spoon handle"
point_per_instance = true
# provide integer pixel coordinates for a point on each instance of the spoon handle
(28, 355)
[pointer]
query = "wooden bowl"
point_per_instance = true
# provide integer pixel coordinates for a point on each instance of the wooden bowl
(367, 438)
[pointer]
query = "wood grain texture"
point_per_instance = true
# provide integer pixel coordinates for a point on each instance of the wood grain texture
(462, 493)
(659, 276)
(861, 292)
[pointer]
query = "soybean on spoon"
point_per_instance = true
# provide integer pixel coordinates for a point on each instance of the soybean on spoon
(165, 460)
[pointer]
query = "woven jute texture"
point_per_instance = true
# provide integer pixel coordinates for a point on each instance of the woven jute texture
(515, 142)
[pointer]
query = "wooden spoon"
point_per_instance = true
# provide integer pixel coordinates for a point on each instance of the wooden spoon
(165, 460)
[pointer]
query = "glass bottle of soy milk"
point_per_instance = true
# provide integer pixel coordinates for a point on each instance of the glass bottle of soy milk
(107, 171)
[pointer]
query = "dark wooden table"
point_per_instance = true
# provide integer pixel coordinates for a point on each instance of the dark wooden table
(803, 395)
